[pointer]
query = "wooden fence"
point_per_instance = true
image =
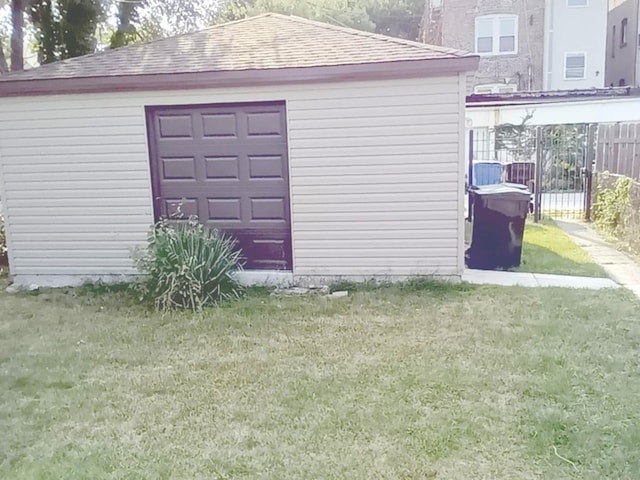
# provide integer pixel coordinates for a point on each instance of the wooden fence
(618, 149)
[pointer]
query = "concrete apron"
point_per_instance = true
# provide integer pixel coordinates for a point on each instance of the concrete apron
(618, 266)
(508, 279)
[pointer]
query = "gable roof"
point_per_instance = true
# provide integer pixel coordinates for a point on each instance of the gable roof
(264, 43)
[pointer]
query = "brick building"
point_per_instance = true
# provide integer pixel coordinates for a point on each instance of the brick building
(525, 44)
(623, 43)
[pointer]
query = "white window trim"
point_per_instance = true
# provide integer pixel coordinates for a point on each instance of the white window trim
(573, 79)
(586, 4)
(496, 35)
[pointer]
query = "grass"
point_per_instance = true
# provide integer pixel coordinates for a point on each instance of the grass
(547, 249)
(415, 381)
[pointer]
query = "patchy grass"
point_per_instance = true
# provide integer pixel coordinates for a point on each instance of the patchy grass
(547, 249)
(413, 381)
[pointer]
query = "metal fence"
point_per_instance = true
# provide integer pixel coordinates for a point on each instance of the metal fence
(554, 161)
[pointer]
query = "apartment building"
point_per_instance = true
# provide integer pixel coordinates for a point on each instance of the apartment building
(526, 44)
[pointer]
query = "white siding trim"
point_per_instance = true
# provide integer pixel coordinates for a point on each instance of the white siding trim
(291, 212)
(462, 105)
(5, 212)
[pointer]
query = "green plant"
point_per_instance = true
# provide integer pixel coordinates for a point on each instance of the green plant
(611, 208)
(188, 266)
(3, 237)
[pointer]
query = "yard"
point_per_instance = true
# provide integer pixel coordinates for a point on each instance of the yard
(415, 381)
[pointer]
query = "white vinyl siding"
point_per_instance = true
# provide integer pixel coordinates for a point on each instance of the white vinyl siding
(374, 172)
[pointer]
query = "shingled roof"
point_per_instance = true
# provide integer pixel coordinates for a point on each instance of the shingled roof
(263, 43)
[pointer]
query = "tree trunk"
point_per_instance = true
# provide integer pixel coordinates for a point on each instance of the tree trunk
(17, 35)
(4, 68)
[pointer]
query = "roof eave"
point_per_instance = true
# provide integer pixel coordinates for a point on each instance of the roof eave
(237, 78)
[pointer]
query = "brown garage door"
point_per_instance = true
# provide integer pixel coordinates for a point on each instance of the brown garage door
(227, 164)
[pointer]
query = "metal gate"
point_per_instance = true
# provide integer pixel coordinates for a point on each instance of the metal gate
(554, 161)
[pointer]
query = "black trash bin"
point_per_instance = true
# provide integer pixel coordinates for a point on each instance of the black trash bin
(499, 213)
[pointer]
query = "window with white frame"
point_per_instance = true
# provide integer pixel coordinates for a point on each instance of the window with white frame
(497, 34)
(494, 88)
(577, 3)
(575, 66)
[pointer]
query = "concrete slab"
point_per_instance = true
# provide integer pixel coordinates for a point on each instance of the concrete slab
(618, 266)
(513, 279)
(505, 279)
(546, 280)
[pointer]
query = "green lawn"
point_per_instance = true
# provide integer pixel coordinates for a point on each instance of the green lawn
(419, 381)
(547, 249)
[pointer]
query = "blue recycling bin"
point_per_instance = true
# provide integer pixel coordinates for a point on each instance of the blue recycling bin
(486, 173)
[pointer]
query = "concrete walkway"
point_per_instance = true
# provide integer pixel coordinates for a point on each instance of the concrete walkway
(508, 279)
(618, 266)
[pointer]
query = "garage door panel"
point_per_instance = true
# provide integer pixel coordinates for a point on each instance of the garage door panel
(180, 207)
(175, 126)
(220, 125)
(264, 124)
(178, 168)
(225, 168)
(268, 209)
(266, 166)
(266, 250)
(228, 166)
(224, 209)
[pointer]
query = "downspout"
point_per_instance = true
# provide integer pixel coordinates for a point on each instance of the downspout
(547, 59)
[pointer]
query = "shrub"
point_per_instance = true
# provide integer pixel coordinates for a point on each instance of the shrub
(188, 266)
(3, 238)
(612, 205)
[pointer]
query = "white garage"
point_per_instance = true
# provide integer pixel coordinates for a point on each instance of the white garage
(327, 152)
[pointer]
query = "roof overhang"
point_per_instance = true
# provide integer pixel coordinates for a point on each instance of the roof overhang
(237, 78)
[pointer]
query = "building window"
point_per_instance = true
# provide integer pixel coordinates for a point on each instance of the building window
(613, 43)
(497, 34)
(577, 3)
(623, 33)
(495, 88)
(575, 66)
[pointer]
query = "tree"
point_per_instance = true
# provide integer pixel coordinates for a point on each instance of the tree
(144, 20)
(17, 35)
(65, 28)
(398, 18)
(4, 68)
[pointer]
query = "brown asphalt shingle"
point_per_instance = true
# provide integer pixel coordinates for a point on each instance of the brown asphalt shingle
(269, 41)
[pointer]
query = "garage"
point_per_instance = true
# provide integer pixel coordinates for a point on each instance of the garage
(328, 153)
(226, 165)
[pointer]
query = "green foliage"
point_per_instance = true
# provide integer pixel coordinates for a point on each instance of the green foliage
(398, 18)
(187, 266)
(612, 205)
(66, 28)
(3, 237)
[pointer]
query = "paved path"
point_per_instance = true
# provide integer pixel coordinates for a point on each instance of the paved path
(620, 267)
(488, 277)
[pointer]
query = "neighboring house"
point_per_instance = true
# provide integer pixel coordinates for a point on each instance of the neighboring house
(623, 43)
(525, 44)
(575, 44)
(328, 152)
